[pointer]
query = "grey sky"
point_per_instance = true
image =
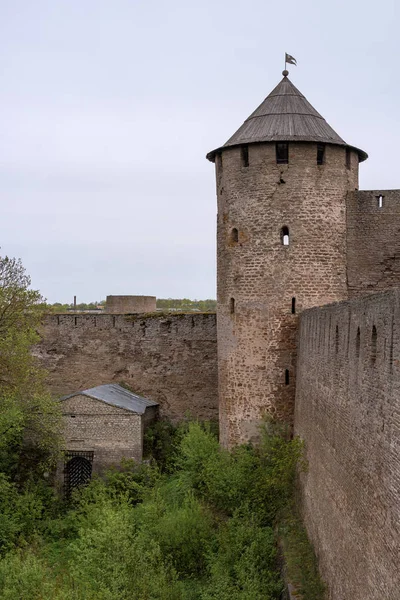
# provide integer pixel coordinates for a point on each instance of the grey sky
(107, 110)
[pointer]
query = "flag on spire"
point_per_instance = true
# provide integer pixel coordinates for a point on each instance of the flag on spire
(290, 59)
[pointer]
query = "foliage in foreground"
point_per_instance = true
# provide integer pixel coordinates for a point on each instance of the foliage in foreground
(29, 418)
(204, 529)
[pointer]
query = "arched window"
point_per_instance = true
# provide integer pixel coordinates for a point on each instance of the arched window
(232, 305)
(235, 235)
(374, 340)
(380, 201)
(285, 236)
(78, 471)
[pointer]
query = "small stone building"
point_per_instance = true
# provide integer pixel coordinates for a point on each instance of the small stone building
(102, 425)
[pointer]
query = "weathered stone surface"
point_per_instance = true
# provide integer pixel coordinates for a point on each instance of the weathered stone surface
(256, 343)
(169, 359)
(110, 432)
(373, 241)
(348, 413)
(130, 304)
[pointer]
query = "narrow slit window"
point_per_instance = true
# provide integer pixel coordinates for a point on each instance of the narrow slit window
(244, 153)
(337, 340)
(374, 340)
(348, 158)
(232, 305)
(358, 343)
(285, 236)
(113, 321)
(282, 153)
(76, 321)
(287, 377)
(235, 235)
(320, 154)
(293, 306)
(380, 201)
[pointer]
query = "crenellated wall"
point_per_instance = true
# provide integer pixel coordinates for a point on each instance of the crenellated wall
(171, 359)
(348, 413)
(373, 241)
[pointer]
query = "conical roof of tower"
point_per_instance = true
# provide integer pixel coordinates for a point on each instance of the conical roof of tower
(285, 116)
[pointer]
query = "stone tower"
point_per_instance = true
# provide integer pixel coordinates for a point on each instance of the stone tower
(282, 181)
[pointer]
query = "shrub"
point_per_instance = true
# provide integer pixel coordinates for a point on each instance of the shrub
(244, 567)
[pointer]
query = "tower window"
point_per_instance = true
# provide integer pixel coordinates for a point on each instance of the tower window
(348, 158)
(232, 305)
(337, 340)
(358, 342)
(282, 153)
(235, 235)
(380, 201)
(374, 339)
(285, 236)
(293, 306)
(287, 376)
(320, 154)
(244, 154)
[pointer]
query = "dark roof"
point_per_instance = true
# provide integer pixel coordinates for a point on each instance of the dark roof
(116, 395)
(285, 116)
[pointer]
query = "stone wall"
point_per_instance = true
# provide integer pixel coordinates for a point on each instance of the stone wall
(373, 241)
(110, 432)
(259, 278)
(130, 304)
(348, 412)
(169, 359)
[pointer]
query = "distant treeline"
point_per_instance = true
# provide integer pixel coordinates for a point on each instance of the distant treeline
(183, 304)
(186, 304)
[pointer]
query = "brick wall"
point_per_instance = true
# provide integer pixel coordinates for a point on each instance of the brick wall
(373, 241)
(348, 412)
(169, 359)
(111, 433)
(256, 342)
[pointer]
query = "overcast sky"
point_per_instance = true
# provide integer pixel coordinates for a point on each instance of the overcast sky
(107, 109)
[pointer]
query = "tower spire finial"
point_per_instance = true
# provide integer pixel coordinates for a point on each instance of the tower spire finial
(291, 60)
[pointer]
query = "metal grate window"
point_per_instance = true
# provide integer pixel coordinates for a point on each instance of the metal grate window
(77, 470)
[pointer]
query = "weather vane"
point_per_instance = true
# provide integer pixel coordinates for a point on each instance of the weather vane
(291, 60)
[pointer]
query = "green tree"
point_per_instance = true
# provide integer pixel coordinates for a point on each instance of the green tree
(28, 416)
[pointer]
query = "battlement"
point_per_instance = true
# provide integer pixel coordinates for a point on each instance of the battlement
(169, 358)
(189, 325)
(348, 413)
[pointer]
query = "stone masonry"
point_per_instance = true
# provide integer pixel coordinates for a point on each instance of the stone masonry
(256, 342)
(130, 304)
(112, 433)
(348, 413)
(169, 359)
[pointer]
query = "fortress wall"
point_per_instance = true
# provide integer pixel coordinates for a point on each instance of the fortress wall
(348, 413)
(130, 304)
(171, 359)
(373, 241)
